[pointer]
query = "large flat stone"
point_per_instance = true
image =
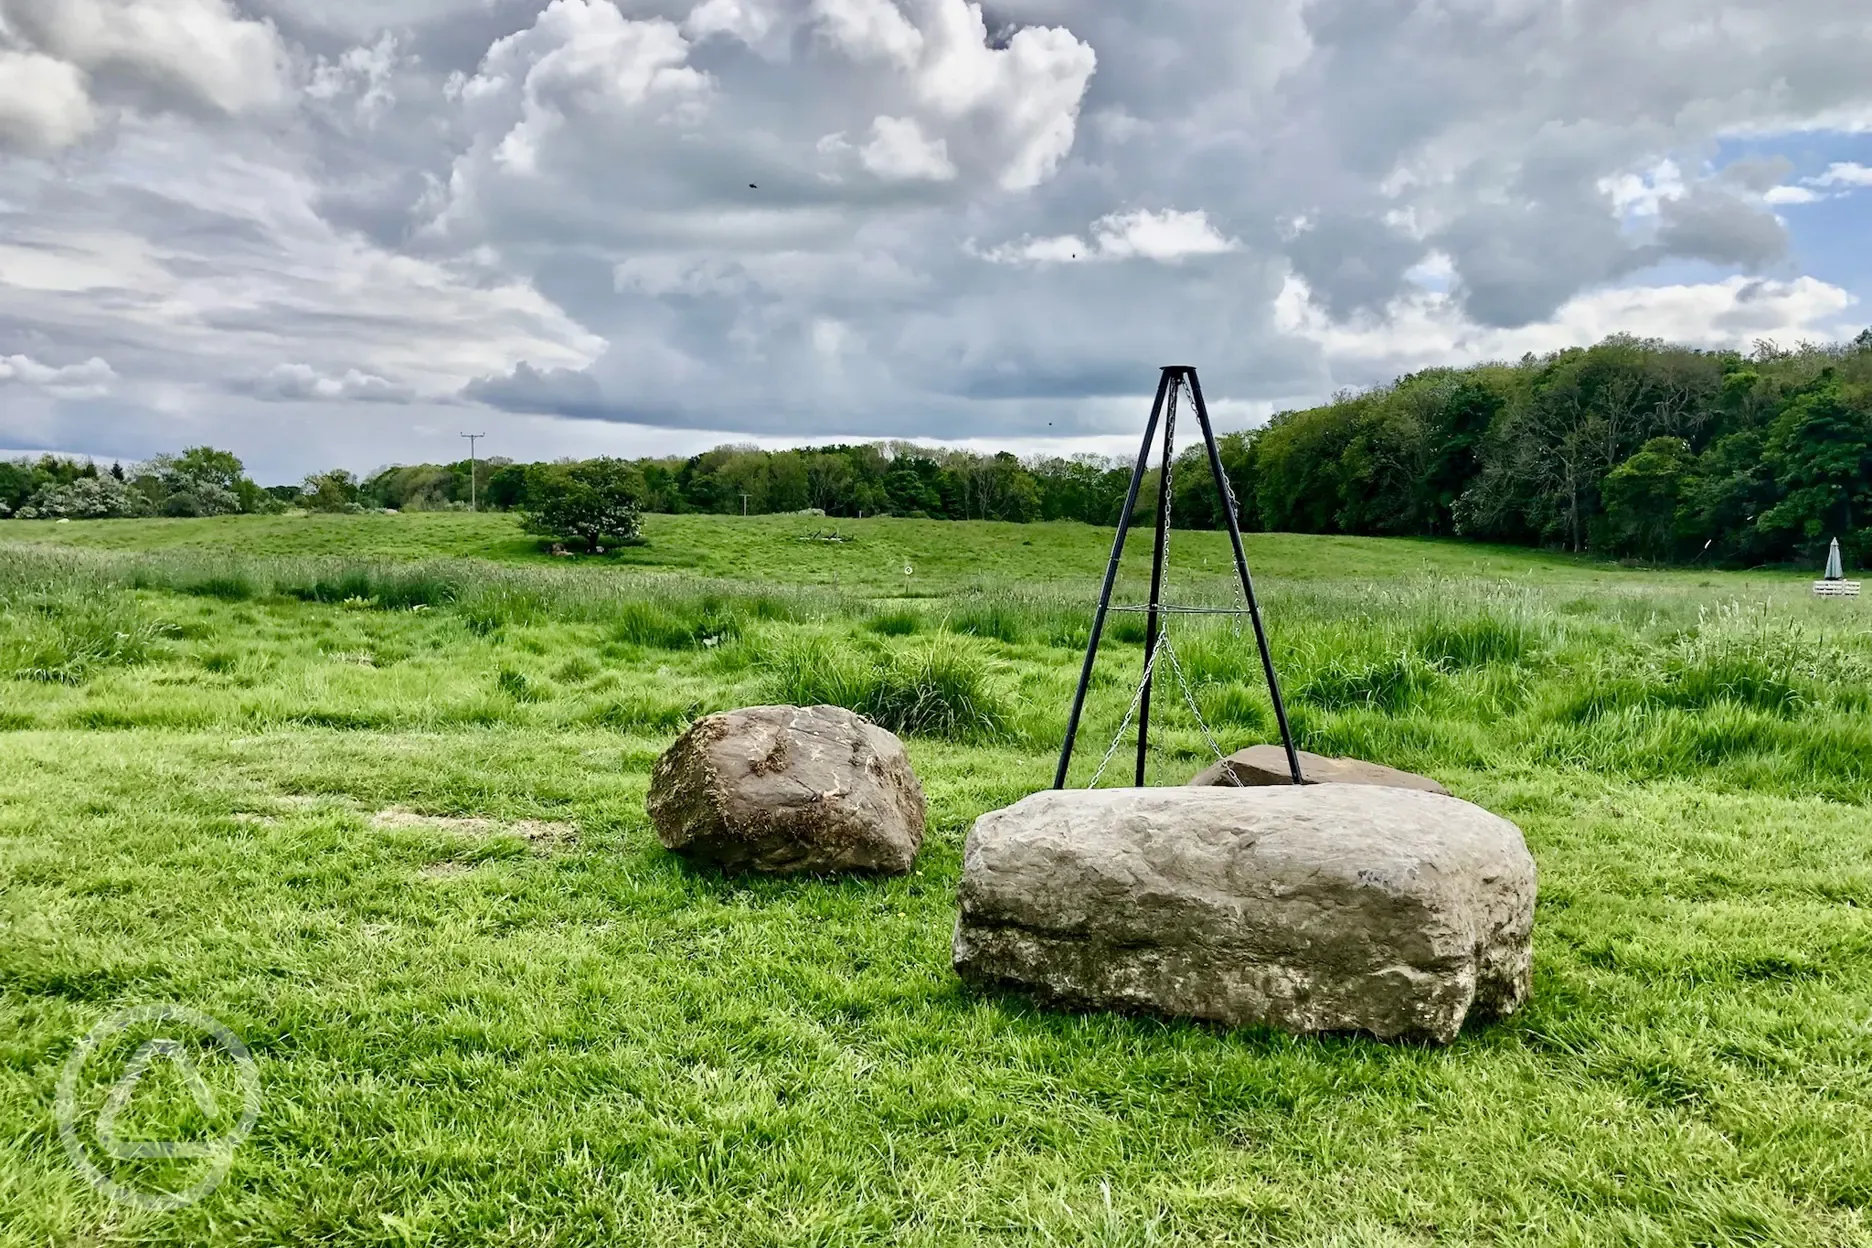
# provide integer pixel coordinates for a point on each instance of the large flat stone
(1267, 764)
(1315, 909)
(785, 789)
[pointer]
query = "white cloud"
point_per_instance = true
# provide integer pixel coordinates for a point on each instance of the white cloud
(830, 338)
(289, 382)
(869, 29)
(1428, 329)
(899, 151)
(1781, 195)
(364, 72)
(44, 105)
(1017, 104)
(1844, 174)
(194, 53)
(660, 275)
(251, 276)
(1840, 178)
(1167, 237)
(1032, 87)
(579, 58)
(1643, 194)
(632, 198)
(91, 379)
(750, 21)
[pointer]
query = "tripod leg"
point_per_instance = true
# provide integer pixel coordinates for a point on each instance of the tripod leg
(1158, 551)
(1111, 579)
(1241, 566)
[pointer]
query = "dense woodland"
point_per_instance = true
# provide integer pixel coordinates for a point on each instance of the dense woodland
(1631, 448)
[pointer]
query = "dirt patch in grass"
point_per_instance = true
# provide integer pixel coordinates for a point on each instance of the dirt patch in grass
(544, 835)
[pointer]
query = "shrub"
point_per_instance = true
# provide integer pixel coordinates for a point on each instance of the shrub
(87, 498)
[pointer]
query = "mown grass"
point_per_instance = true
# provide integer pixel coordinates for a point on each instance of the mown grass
(481, 1038)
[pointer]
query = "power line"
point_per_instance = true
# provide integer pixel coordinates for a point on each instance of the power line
(473, 502)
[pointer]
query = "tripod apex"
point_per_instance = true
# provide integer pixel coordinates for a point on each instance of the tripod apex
(1179, 368)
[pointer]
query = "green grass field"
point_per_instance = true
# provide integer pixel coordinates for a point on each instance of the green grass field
(370, 790)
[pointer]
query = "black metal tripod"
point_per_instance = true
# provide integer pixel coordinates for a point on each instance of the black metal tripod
(1164, 410)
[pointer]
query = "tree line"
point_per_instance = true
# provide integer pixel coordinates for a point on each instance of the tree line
(1631, 448)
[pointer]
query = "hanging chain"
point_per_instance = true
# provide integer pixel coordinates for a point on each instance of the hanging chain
(1189, 696)
(1136, 700)
(1164, 485)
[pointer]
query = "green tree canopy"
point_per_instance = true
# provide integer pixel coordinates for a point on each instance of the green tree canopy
(596, 502)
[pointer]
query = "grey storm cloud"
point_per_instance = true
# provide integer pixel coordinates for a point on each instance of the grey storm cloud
(856, 217)
(1712, 225)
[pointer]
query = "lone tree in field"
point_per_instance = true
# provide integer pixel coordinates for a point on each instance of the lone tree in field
(595, 502)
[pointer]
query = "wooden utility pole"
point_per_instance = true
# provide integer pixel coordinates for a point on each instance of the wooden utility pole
(473, 502)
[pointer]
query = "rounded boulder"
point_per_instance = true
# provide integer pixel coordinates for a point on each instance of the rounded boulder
(788, 789)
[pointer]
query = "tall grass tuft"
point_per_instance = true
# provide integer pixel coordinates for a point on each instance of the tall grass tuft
(389, 587)
(515, 684)
(673, 624)
(993, 618)
(1460, 644)
(62, 637)
(937, 689)
(229, 585)
(900, 622)
(1392, 683)
(491, 608)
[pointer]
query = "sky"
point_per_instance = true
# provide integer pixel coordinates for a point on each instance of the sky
(344, 232)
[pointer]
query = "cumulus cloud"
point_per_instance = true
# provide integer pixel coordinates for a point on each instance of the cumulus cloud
(1841, 178)
(1844, 173)
(899, 151)
(1167, 237)
(1712, 225)
(869, 30)
(44, 104)
(1429, 328)
(298, 382)
(90, 379)
(361, 75)
(69, 57)
(583, 60)
(561, 391)
(805, 217)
